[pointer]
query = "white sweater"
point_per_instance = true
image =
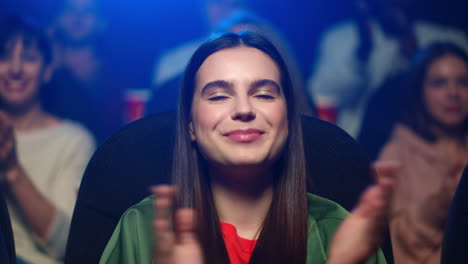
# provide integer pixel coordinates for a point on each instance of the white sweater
(54, 159)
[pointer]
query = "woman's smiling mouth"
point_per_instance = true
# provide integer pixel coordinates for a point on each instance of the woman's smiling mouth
(244, 135)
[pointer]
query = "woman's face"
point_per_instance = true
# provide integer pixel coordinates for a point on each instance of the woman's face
(446, 91)
(239, 110)
(22, 71)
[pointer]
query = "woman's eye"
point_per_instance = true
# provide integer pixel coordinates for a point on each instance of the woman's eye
(265, 96)
(218, 98)
(437, 83)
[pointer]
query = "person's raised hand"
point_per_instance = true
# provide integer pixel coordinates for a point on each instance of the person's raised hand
(361, 233)
(8, 157)
(175, 239)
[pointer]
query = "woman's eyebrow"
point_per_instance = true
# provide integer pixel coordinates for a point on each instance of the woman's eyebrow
(266, 82)
(216, 84)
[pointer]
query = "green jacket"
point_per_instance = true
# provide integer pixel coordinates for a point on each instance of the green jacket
(132, 243)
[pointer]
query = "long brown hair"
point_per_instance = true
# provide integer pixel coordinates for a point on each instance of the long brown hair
(283, 238)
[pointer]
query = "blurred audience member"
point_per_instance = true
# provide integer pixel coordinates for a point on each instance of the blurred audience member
(171, 64)
(77, 31)
(42, 157)
(222, 16)
(357, 56)
(431, 144)
(84, 86)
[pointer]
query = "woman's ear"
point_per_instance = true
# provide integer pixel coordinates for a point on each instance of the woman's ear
(192, 132)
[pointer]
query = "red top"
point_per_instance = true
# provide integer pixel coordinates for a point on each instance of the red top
(239, 249)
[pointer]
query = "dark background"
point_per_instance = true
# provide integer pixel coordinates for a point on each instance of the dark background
(139, 30)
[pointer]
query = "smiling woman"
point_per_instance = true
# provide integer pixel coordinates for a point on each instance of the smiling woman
(239, 174)
(239, 109)
(431, 143)
(24, 66)
(42, 158)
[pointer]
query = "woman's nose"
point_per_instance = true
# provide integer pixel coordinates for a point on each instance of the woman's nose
(454, 90)
(243, 110)
(15, 67)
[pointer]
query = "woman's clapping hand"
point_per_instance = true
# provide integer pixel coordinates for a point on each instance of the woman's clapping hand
(175, 241)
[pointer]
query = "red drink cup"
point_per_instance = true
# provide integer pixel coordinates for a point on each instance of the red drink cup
(135, 104)
(326, 110)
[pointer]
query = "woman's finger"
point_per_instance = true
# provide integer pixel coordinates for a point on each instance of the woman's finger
(5, 121)
(164, 241)
(7, 148)
(6, 132)
(188, 248)
(163, 201)
(184, 224)
(163, 189)
(162, 230)
(386, 173)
